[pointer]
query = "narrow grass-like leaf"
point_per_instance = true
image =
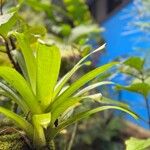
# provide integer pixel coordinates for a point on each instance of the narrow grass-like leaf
(20, 122)
(85, 79)
(90, 87)
(18, 83)
(14, 96)
(108, 101)
(48, 65)
(87, 113)
(79, 83)
(70, 102)
(29, 58)
(64, 80)
(63, 106)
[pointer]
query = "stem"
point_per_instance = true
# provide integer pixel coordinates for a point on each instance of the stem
(8, 51)
(39, 140)
(52, 145)
(1, 7)
(146, 100)
(148, 111)
(15, 65)
(72, 137)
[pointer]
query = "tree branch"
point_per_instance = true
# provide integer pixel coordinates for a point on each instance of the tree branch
(1, 7)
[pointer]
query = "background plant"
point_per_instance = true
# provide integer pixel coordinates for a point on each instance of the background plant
(18, 53)
(40, 97)
(134, 67)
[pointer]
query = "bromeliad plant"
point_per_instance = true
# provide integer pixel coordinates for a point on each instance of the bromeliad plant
(43, 99)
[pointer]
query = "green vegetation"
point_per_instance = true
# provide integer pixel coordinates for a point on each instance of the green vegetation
(44, 103)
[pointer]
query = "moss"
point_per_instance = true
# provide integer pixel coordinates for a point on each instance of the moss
(12, 142)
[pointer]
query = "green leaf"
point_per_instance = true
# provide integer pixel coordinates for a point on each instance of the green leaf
(40, 122)
(93, 86)
(18, 83)
(105, 100)
(7, 21)
(64, 80)
(80, 82)
(41, 6)
(8, 92)
(70, 102)
(141, 88)
(29, 58)
(135, 62)
(43, 119)
(19, 121)
(137, 144)
(38, 31)
(48, 65)
(87, 113)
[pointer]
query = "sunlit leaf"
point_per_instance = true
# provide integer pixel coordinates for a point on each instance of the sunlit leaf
(135, 62)
(70, 102)
(24, 45)
(64, 80)
(20, 122)
(93, 86)
(137, 144)
(14, 96)
(141, 88)
(7, 21)
(18, 83)
(48, 65)
(82, 81)
(87, 113)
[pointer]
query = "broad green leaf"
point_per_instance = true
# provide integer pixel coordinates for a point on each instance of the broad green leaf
(135, 62)
(64, 80)
(7, 21)
(8, 92)
(80, 82)
(141, 88)
(137, 144)
(40, 122)
(29, 58)
(87, 113)
(19, 121)
(93, 86)
(18, 83)
(129, 71)
(48, 65)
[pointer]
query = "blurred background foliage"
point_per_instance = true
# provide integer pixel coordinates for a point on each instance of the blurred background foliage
(70, 25)
(66, 26)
